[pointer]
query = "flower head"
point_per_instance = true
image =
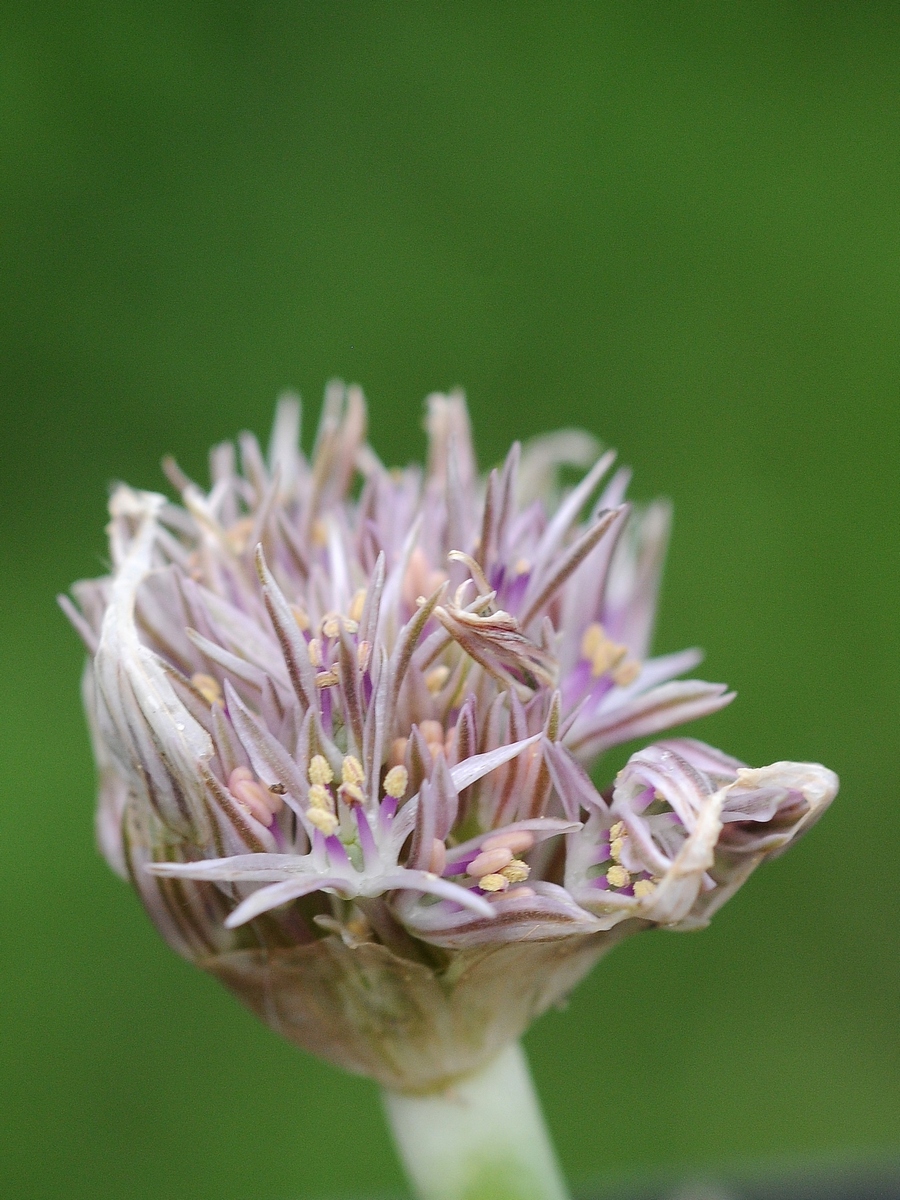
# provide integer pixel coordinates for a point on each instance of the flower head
(343, 717)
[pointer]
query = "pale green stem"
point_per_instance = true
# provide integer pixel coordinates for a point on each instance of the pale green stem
(484, 1138)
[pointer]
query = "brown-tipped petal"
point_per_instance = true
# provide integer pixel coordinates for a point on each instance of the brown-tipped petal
(660, 708)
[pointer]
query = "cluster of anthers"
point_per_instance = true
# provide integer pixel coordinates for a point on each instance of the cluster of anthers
(335, 705)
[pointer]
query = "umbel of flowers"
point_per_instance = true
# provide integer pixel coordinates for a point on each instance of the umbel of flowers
(344, 715)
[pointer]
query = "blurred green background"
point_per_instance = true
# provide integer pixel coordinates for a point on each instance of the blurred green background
(676, 224)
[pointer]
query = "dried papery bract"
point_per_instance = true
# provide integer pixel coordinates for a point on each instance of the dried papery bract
(343, 718)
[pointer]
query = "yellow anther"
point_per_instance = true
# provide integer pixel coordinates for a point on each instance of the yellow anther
(618, 877)
(301, 617)
(432, 731)
(319, 533)
(320, 797)
(626, 673)
(357, 604)
(644, 888)
(207, 687)
(593, 636)
(314, 649)
(522, 566)
(603, 655)
(349, 624)
(326, 822)
(396, 782)
(617, 831)
(352, 793)
(493, 883)
(331, 625)
(436, 678)
(320, 769)
(351, 770)
(516, 871)
(326, 679)
(616, 846)
(239, 533)
(363, 651)
(607, 656)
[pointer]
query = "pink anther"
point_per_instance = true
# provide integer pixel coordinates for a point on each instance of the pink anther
(432, 731)
(252, 795)
(517, 841)
(438, 860)
(490, 862)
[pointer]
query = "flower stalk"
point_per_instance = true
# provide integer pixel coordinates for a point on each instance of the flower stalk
(482, 1138)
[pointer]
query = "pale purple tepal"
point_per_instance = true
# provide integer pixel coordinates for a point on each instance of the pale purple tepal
(344, 718)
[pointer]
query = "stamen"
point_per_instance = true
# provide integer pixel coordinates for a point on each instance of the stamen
(325, 822)
(618, 877)
(616, 846)
(314, 650)
(320, 797)
(357, 604)
(617, 831)
(516, 871)
(489, 862)
(363, 652)
(396, 782)
(593, 637)
(301, 617)
(332, 622)
(436, 678)
(626, 673)
(607, 656)
(398, 751)
(644, 888)
(432, 731)
(493, 883)
(320, 769)
(331, 625)
(517, 840)
(351, 770)
(326, 679)
(239, 533)
(438, 860)
(359, 927)
(250, 795)
(208, 687)
(602, 653)
(351, 793)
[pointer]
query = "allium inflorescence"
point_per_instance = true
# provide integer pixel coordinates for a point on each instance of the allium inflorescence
(343, 718)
